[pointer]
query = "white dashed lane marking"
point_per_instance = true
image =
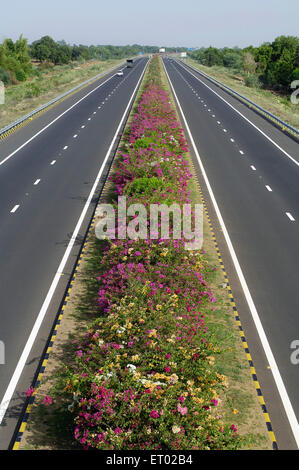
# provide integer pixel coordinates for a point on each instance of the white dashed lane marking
(290, 216)
(15, 208)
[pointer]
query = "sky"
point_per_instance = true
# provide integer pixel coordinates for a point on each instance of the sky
(169, 23)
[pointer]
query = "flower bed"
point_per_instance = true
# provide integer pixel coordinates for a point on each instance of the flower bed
(145, 375)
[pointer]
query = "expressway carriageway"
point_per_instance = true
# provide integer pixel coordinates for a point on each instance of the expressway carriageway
(51, 173)
(249, 174)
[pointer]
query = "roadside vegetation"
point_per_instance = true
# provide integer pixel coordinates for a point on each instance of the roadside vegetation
(155, 360)
(263, 74)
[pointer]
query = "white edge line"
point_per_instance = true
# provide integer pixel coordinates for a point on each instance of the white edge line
(244, 117)
(52, 122)
(266, 346)
(26, 351)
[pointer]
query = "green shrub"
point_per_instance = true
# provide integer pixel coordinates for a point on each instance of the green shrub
(20, 75)
(145, 186)
(5, 76)
(252, 81)
(32, 90)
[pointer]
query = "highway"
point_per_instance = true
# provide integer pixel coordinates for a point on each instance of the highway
(251, 186)
(51, 172)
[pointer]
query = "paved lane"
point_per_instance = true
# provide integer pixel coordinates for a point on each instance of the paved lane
(256, 187)
(44, 188)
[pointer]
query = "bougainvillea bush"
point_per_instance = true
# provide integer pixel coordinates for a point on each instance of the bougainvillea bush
(145, 375)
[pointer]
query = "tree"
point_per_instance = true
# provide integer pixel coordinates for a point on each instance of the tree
(212, 56)
(249, 64)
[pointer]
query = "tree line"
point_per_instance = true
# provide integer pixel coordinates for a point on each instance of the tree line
(273, 65)
(16, 57)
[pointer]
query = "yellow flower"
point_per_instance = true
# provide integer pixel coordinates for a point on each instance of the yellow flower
(175, 429)
(153, 333)
(235, 412)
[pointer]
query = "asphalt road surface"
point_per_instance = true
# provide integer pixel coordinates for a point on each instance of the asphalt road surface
(50, 177)
(253, 172)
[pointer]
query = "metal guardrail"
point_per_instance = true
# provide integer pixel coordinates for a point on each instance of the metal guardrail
(24, 118)
(283, 125)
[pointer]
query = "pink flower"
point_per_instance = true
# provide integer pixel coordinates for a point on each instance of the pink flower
(182, 409)
(167, 369)
(154, 414)
(29, 392)
(47, 400)
(117, 430)
(233, 427)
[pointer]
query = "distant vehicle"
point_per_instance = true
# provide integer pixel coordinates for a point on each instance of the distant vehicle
(130, 62)
(120, 73)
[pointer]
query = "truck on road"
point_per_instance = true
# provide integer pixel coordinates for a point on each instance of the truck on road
(130, 62)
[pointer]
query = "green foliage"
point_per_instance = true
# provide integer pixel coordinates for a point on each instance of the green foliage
(271, 65)
(253, 81)
(146, 186)
(15, 62)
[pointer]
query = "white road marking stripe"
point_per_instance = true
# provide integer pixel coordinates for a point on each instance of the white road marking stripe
(64, 148)
(259, 327)
(241, 152)
(269, 188)
(253, 167)
(16, 207)
(76, 135)
(36, 182)
(290, 216)
(53, 162)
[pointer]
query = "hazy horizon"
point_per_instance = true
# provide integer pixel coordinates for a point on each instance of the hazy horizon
(167, 23)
